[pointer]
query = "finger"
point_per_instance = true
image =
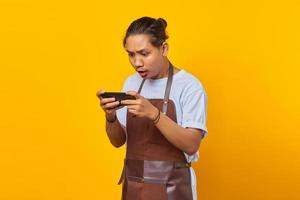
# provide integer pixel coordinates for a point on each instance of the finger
(134, 93)
(116, 108)
(133, 111)
(112, 105)
(119, 107)
(99, 93)
(132, 107)
(107, 100)
(129, 102)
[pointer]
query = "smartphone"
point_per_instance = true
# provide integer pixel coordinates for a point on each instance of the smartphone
(117, 95)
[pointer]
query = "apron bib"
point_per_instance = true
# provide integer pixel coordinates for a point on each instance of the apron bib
(154, 169)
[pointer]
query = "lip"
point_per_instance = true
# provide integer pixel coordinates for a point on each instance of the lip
(143, 73)
(140, 70)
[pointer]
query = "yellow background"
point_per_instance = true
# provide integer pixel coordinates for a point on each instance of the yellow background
(55, 55)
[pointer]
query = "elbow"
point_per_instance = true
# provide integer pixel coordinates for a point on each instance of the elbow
(194, 146)
(117, 145)
(192, 150)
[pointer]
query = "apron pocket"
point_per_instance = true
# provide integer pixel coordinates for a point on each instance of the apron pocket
(154, 191)
(140, 190)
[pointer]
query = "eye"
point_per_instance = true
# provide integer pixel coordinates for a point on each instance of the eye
(130, 54)
(145, 54)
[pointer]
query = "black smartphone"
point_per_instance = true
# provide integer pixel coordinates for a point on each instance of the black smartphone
(118, 95)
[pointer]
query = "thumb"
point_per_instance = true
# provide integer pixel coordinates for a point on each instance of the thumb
(135, 94)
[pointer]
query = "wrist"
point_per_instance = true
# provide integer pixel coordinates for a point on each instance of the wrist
(156, 117)
(153, 113)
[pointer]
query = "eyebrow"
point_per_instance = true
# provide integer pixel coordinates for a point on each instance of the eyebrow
(139, 51)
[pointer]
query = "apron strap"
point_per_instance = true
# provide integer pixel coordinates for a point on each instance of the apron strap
(122, 177)
(141, 86)
(168, 88)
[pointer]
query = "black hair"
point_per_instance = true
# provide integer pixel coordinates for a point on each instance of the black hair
(155, 28)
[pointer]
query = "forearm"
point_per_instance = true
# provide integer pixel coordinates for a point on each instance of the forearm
(183, 138)
(115, 133)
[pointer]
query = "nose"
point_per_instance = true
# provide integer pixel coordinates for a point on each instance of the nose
(138, 62)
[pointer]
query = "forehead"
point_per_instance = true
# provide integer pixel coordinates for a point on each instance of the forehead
(138, 42)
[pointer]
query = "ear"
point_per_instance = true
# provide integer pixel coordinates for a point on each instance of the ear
(165, 48)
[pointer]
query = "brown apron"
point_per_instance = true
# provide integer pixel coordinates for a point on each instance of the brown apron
(154, 169)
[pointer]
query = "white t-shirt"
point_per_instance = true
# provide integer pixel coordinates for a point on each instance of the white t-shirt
(190, 101)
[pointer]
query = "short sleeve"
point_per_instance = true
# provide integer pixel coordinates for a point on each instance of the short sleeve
(194, 109)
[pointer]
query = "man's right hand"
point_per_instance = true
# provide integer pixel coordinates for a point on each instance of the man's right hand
(108, 105)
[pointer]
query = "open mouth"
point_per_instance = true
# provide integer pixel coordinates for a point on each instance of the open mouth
(143, 73)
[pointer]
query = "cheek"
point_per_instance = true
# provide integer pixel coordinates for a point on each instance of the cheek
(152, 60)
(151, 64)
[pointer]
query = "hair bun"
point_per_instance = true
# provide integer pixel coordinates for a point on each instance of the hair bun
(154, 27)
(164, 22)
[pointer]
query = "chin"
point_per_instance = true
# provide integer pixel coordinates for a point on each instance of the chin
(148, 76)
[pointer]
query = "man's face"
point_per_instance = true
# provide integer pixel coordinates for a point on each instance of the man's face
(143, 56)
